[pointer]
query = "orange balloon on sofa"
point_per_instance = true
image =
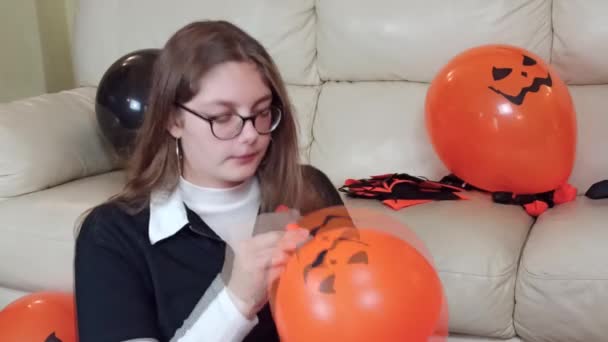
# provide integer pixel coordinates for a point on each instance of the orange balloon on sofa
(353, 284)
(501, 119)
(39, 317)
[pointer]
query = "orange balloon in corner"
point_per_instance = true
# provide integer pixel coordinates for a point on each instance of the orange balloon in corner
(41, 316)
(501, 119)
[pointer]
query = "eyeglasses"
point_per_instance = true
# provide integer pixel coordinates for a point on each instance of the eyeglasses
(229, 126)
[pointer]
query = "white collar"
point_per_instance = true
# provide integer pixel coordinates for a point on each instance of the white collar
(167, 215)
(168, 211)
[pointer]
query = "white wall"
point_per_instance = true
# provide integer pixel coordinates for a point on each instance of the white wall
(35, 53)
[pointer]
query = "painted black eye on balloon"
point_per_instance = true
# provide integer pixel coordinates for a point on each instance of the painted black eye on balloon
(359, 258)
(500, 73)
(528, 61)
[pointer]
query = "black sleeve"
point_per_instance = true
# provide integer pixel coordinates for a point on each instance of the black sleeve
(322, 185)
(112, 302)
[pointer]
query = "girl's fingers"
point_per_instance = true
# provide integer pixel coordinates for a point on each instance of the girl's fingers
(279, 259)
(268, 240)
(273, 275)
(294, 238)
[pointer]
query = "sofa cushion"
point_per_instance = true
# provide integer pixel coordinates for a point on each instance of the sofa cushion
(562, 288)
(579, 40)
(106, 30)
(384, 132)
(38, 232)
(591, 164)
(392, 116)
(304, 100)
(410, 40)
(476, 246)
(49, 140)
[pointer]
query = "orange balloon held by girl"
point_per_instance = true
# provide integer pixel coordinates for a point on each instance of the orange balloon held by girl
(357, 284)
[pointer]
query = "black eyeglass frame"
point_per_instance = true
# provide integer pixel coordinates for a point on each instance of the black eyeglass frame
(251, 118)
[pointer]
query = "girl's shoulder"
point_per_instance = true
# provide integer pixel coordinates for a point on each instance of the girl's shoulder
(110, 221)
(324, 189)
(315, 175)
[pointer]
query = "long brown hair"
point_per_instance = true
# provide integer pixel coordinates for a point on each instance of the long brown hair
(187, 56)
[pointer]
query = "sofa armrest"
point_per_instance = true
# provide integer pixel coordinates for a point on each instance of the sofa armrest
(49, 140)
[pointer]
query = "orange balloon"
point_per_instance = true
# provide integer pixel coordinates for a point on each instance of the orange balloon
(501, 119)
(356, 284)
(40, 317)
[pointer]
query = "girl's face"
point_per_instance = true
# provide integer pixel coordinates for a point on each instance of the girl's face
(229, 88)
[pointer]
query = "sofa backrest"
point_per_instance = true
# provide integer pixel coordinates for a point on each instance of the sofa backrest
(358, 70)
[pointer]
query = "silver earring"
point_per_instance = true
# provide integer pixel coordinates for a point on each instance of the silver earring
(178, 156)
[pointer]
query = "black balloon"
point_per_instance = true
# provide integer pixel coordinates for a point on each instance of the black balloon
(598, 190)
(122, 97)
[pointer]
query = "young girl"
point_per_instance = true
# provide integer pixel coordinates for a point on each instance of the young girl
(181, 253)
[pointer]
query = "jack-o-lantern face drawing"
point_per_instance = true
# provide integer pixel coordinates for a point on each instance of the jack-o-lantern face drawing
(525, 72)
(52, 338)
(342, 248)
(339, 246)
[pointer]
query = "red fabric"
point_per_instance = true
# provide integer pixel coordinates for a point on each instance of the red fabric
(461, 195)
(565, 193)
(536, 208)
(400, 190)
(400, 204)
(350, 181)
(384, 176)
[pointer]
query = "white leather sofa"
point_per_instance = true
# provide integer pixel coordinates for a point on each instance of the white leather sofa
(358, 71)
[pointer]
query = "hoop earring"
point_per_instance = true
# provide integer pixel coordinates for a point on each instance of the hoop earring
(178, 155)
